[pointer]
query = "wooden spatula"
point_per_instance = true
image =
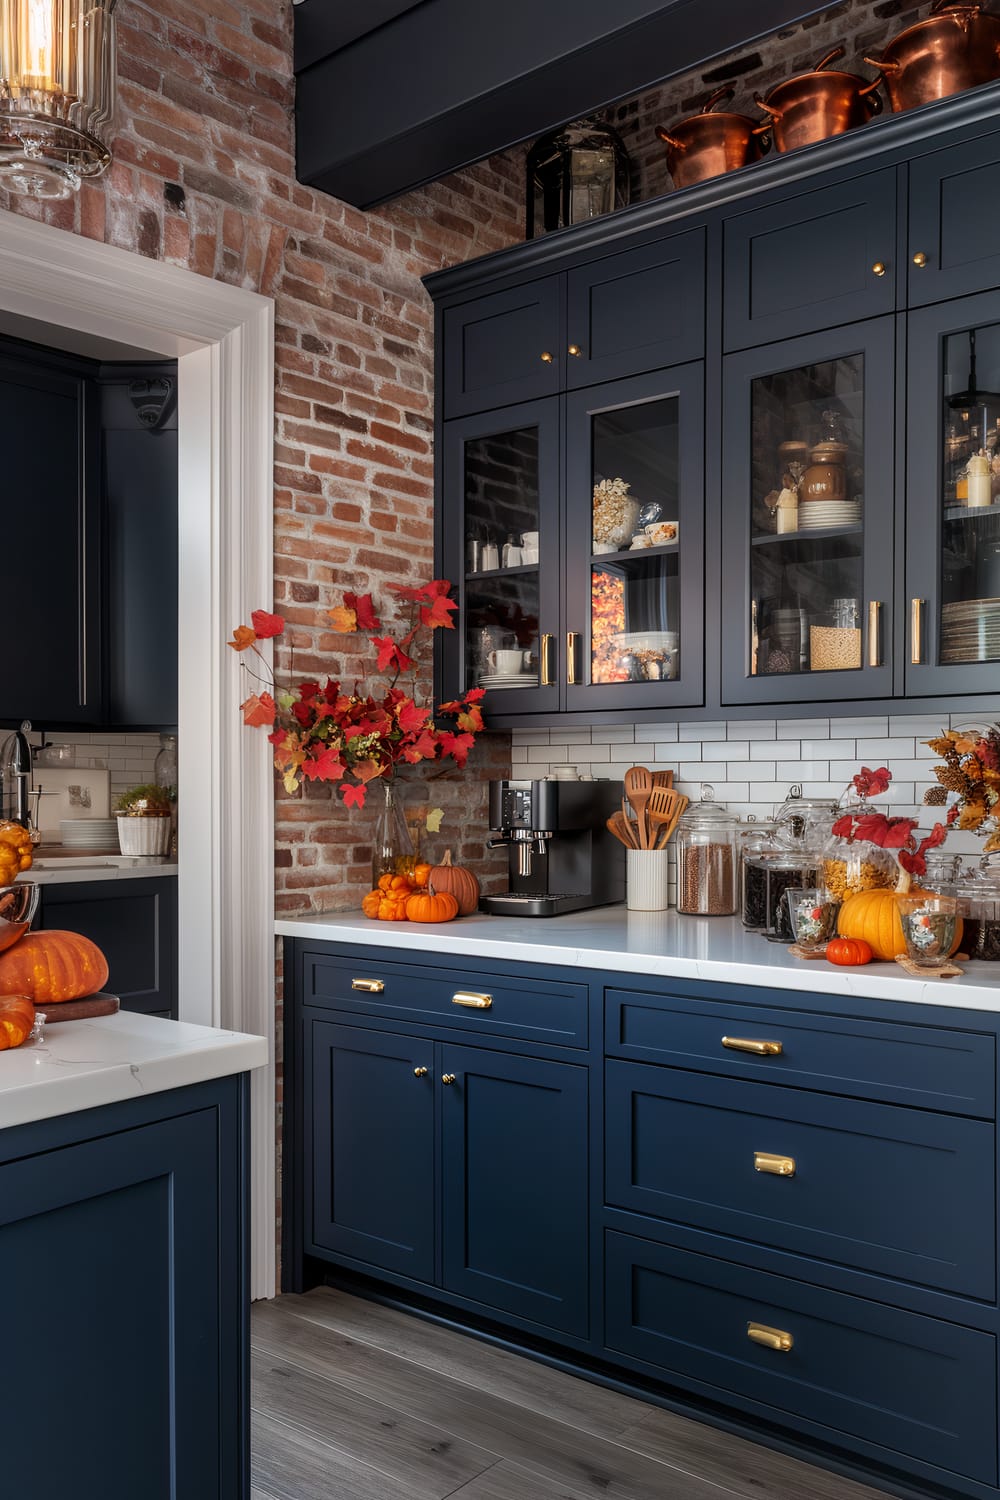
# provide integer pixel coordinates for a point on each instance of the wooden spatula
(623, 829)
(638, 790)
(663, 778)
(665, 807)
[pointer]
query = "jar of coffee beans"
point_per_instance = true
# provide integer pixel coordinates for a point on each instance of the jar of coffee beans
(707, 859)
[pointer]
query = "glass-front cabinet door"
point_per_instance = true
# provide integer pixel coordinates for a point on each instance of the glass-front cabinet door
(634, 546)
(500, 544)
(807, 597)
(953, 498)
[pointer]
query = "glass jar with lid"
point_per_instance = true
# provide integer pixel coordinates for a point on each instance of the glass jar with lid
(942, 874)
(757, 843)
(978, 896)
(805, 822)
(850, 866)
(707, 858)
(788, 870)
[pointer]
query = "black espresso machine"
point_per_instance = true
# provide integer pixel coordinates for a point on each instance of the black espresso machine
(560, 854)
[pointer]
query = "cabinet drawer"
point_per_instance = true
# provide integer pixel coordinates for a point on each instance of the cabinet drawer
(494, 348)
(808, 262)
(843, 1181)
(918, 1065)
(542, 1010)
(640, 310)
(910, 1386)
(954, 241)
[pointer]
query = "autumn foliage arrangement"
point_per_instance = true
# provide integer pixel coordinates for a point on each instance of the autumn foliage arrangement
(355, 734)
(970, 776)
(896, 834)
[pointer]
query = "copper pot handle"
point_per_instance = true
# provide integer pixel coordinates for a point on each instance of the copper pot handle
(832, 56)
(768, 108)
(669, 139)
(973, 7)
(726, 93)
(886, 67)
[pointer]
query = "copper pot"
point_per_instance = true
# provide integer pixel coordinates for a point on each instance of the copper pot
(813, 106)
(706, 145)
(957, 47)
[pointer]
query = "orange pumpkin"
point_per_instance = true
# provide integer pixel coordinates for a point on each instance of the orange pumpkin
(849, 952)
(421, 874)
(874, 916)
(17, 1016)
(370, 904)
(431, 906)
(15, 851)
(387, 902)
(459, 882)
(53, 966)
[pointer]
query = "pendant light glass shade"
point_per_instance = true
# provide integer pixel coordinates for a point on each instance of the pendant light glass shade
(57, 93)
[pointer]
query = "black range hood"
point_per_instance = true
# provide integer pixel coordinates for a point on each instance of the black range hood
(395, 93)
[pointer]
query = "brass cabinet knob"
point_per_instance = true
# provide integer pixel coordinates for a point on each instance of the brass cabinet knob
(546, 357)
(770, 1338)
(420, 1072)
(920, 260)
(447, 1077)
(575, 350)
(878, 269)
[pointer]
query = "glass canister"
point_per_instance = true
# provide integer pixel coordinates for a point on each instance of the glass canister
(943, 872)
(978, 896)
(707, 859)
(788, 871)
(757, 843)
(849, 867)
(804, 822)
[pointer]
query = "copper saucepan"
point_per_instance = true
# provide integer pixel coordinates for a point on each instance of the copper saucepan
(813, 106)
(708, 144)
(956, 47)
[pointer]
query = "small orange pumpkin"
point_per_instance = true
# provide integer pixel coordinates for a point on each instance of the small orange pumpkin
(370, 904)
(459, 882)
(849, 952)
(421, 874)
(53, 966)
(431, 906)
(17, 1016)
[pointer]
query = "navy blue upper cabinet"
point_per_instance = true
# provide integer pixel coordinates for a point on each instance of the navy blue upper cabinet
(372, 1147)
(503, 348)
(811, 261)
(514, 1185)
(638, 310)
(953, 244)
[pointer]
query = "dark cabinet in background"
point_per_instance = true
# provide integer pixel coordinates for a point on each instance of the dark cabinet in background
(503, 348)
(953, 246)
(134, 923)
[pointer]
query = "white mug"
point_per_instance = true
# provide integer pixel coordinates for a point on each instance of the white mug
(529, 539)
(506, 663)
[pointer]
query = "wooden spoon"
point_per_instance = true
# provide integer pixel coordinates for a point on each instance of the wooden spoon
(623, 829)
(638, 790)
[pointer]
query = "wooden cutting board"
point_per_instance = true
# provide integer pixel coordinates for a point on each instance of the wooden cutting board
(81, 1010)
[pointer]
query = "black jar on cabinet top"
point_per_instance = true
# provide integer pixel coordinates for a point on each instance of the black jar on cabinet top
(577, 172)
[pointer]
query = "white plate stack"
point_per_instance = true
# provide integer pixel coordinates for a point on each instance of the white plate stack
(508, 679)
(88, 833)
(817, 514)
(970, 630)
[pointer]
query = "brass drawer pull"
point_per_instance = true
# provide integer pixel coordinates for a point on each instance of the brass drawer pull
(770, 1338)
(745, 1044)
(916, 631)
(369, 986)
(778, 1166)
(548, 660)
(572, 641)
(874, 632)
(471, 1000)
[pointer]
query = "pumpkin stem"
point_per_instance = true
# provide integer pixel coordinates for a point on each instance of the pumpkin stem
(447, 857)
(904, 882)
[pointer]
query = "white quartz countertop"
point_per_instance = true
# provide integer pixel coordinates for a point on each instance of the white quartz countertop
(68, 869)
(79, 1064)
(656, 943)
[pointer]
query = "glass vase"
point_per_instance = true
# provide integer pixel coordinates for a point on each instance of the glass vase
(392, 847)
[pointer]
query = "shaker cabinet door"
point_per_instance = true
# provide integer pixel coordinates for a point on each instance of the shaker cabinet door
(953, 244)
(503, 348)
(811, 261)
(807, 536)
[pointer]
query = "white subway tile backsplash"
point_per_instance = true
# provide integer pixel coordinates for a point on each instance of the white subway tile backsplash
(775, 750)
(870, 751)
(656, 734)
(821, 749)
(613, 734)
(813, 729)
(752, 729)
(710, 730)
(129, 758)
(857, 729)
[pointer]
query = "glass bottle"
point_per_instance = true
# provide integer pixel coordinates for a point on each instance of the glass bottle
(165, 775)
(707, 859)
(392, 846)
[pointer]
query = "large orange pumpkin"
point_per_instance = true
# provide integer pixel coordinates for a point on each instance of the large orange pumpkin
(874, 917)
(53, 966)
(458, 882)
(17, 1016)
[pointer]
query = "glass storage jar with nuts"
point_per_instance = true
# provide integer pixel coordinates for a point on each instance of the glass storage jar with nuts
(849, 867)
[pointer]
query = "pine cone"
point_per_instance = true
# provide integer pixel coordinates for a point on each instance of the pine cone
(935, 796)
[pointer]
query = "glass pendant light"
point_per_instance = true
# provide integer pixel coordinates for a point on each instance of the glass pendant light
(57, 93)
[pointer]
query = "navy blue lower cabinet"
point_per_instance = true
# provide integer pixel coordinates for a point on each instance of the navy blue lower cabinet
(910, 1388)
(514, 1181)
(134, 923)
(372, 1147)
(124, 1252)
(841, 1180)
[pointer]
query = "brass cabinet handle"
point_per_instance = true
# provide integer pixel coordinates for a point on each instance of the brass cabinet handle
(777, 1166)
(878, 269)
(471, 1000)
(771, 1338)
(745, 1044)
(548, 660)
(369, 986)
(575, 350)
(572, 637)
(920, 260)
(546, 357)
(420, 1072)
(916, 631)
(447, 1078)
(875, 632)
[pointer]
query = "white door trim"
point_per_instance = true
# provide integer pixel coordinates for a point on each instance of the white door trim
(223, 340)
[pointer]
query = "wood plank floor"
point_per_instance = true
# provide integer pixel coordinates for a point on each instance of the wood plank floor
(352, 1401)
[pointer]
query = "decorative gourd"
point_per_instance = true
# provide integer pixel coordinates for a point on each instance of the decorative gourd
(421, 874)
(17, 1016)
(53, 966)
(874, 916)
(15, 852)
(849, 952)
(431, 906)
(387, 902)
(458, 882)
